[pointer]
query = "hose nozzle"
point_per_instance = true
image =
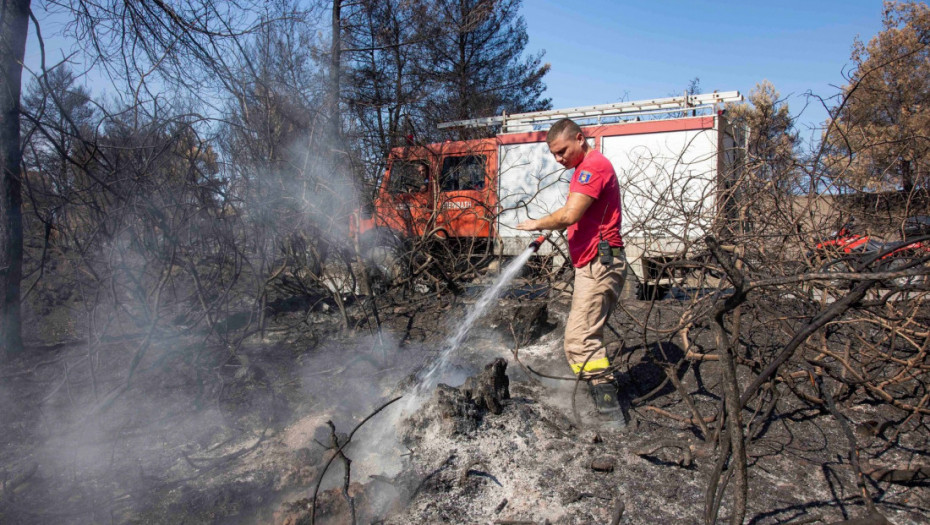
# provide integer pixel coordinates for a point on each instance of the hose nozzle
(537, 242)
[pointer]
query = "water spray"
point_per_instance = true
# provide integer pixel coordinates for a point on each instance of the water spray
(428, 377)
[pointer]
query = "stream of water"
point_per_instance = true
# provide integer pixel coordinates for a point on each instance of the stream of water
(430, 376)
(381, 441)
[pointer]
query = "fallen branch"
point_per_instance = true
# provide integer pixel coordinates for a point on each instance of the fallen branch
(676, 417)
(832, 312)
(618, 513)
(673, 376)
(853, 446)
(215, 462)
(872, 518)
(319, 481)
(468, 468)
(903, 475)
(347, 476)
(686, 459)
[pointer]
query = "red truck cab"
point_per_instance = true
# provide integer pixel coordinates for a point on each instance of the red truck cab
(445, 190)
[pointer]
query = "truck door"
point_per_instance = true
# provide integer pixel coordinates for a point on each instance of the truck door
(465, 201)
(406, 204)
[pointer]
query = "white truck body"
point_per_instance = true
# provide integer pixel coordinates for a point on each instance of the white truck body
(670, 171)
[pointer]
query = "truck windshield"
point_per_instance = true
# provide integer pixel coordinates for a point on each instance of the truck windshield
(408, 176)
(463, 173)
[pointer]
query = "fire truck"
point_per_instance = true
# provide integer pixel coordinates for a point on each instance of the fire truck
(673, 156)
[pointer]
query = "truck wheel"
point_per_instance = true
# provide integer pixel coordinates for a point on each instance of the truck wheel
(384, 261)
(833, 289)
(653, 290)
(338, 276)
(383, 255)
(902, 283)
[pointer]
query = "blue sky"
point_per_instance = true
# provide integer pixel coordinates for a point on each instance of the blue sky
(610, 50)
(604, 51)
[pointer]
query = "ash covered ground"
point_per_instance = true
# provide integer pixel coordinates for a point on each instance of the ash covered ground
(204, 434)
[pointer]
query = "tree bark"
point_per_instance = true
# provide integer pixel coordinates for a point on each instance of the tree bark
(335, 68)
(14, 19)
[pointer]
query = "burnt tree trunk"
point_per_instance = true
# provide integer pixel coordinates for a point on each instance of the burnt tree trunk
(14, 19)
(335, 78)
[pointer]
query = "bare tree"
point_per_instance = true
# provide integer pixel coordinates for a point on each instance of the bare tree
(14, 18)
(783, 319)
(384, 42)
(135, 41)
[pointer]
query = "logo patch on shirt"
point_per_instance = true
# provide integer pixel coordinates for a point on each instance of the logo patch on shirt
(584, 177)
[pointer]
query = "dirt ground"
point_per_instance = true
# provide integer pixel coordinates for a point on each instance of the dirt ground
(207, 434)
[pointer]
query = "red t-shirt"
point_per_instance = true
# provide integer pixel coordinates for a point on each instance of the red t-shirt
(595, 177)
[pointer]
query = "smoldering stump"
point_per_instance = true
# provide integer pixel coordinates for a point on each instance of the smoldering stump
(461, 409)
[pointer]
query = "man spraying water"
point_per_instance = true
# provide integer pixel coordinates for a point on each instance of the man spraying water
(591, 215)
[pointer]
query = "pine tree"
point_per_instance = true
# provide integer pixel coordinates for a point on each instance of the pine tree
(476, 62)
(878, 137)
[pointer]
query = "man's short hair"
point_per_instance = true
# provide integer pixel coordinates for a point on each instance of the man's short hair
(563, 127)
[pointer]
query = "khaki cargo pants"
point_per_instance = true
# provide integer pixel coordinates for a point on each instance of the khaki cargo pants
(597, 289)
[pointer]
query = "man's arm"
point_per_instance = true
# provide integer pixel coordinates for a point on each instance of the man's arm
(561, 218)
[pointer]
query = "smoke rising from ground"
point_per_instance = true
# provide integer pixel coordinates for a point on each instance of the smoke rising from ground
(184, 368)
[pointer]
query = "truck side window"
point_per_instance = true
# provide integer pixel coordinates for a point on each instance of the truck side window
(408, 177)
(463, 173)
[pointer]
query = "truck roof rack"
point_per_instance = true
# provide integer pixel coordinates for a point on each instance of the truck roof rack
(529, 121)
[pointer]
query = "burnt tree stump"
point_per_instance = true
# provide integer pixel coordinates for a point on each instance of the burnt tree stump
(489, 387)
(462, 409)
